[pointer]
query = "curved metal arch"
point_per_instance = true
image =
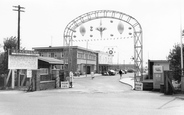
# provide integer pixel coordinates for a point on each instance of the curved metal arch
(138, 52)
(70, 28)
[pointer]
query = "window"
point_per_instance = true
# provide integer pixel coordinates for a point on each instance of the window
(80, 55)
(52, 54)
(44, 71)
(62, 55)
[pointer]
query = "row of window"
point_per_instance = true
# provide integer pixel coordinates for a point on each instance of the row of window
(80, 55)
(52, 54)
(105, 59)
(86, 56)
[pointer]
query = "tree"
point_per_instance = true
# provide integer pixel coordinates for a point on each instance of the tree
(175, 61)
(9, 43)
(1, 62)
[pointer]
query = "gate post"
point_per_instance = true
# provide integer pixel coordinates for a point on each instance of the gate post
(182, 84)
(13, 79)
(56, 73)
(37, 80)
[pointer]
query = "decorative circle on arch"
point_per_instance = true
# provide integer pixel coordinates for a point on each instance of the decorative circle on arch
(135, 25)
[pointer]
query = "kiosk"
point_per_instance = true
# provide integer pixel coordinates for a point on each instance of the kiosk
(158, 76)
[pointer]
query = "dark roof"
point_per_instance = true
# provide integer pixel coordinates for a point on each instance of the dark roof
(50, 47)
(51, 60)
(160, 61)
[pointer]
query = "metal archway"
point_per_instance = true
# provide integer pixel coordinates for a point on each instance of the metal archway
(138, 41)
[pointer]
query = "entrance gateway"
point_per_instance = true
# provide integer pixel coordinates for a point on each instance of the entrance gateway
(70, 29)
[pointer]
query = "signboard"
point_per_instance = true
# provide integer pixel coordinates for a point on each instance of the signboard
(157, 69)
(65, 84)
(22, 62)
(24, 52)
(158, 76)
(138, 86)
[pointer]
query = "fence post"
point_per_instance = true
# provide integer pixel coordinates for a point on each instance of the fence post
(33, 80)
(36, 80)
(57, 79)
(13, 79)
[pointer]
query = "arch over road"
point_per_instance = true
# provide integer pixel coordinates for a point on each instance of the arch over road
(138, 40)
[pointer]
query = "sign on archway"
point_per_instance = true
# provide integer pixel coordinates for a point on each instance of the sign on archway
(77, 25)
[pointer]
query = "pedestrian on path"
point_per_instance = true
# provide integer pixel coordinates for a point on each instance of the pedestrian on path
(71, 79)
(92, 75)
(120, 73)
(78, 73)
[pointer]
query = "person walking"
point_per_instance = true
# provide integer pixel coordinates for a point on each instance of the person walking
(71, 79)
(78, 73)
(92, 75)
(120, 73)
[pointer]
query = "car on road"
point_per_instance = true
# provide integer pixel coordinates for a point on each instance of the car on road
(124, 71)
(130, 70)
(112, 72)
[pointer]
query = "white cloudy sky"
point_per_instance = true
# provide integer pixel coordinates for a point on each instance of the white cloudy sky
(44, 21)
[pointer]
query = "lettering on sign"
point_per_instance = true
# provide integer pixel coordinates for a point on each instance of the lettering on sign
(24, 52)
(65, 84)
(138, 86)
(158, 69)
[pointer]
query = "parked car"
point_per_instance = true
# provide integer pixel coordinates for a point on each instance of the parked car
(124, 71)
(112, 72)
(130, 70)
(105, 73)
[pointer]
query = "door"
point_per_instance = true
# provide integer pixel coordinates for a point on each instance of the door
(88, 70)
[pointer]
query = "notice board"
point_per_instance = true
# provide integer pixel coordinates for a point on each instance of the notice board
(22, 62)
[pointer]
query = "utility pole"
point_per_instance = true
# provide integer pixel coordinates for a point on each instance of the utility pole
(19, 9)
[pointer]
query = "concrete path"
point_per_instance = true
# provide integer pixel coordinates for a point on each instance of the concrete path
(128, 81)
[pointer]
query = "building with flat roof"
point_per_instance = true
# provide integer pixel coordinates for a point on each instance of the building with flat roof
(82, 60)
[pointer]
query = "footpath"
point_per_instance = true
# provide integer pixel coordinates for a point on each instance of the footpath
(129, 80)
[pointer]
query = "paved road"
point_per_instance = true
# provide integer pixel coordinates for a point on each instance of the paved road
(100, 84)
(102, 95)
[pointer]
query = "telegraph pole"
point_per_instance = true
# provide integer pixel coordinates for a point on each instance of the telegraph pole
(19, 9)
